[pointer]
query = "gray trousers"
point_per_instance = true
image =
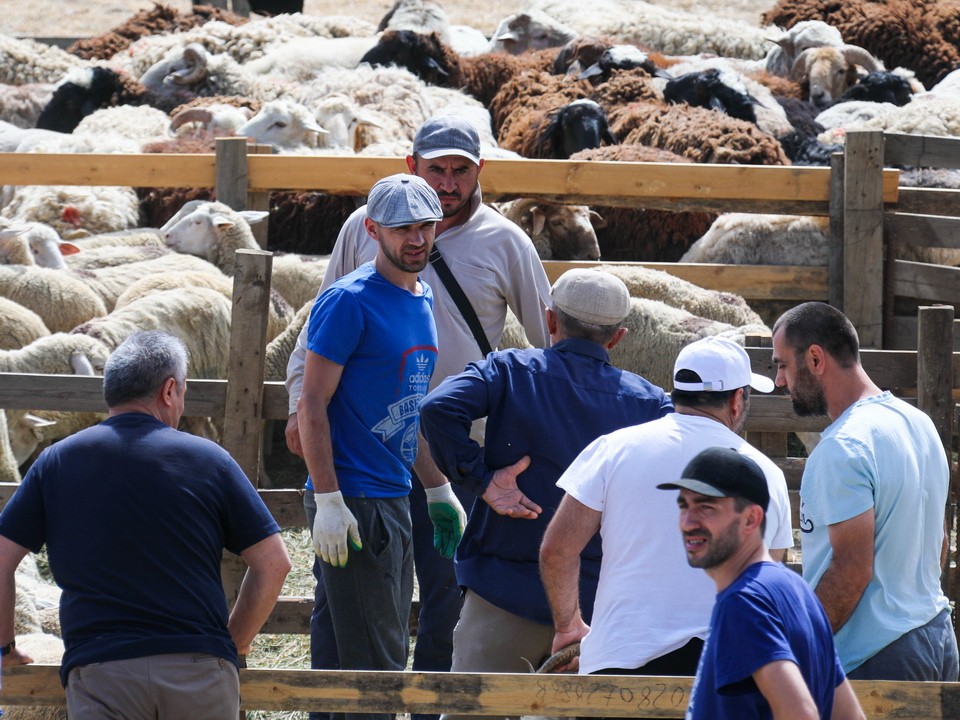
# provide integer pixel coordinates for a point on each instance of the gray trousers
(174, 686)
(370, 597)
(928, 653)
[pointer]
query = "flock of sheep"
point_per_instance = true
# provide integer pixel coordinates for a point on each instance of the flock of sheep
(81, 268)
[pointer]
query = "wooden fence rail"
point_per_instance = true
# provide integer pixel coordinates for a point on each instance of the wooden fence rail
(499, 694)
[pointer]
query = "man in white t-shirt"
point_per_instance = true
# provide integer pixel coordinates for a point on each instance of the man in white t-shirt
(652, 610)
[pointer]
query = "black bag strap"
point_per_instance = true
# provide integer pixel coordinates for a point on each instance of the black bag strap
(461, 300)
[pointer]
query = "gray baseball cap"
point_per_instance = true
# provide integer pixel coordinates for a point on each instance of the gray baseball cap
(403, 199)
(447, 135)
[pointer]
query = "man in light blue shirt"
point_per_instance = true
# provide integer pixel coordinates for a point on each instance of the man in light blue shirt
(872, 504)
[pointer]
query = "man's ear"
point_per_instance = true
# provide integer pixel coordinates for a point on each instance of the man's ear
(168, 390)
(753, 516)
(816, 358)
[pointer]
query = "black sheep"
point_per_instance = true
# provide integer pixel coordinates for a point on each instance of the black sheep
(577, 126)
(878, 86)
(73, 100)
(707, 90)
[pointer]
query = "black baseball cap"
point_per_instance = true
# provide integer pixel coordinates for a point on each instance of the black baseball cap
(723, 472)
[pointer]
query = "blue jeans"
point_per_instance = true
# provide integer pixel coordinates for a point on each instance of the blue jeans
(440, 598)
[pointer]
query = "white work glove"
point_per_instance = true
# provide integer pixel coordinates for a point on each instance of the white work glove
(448, 518)
(333, 526)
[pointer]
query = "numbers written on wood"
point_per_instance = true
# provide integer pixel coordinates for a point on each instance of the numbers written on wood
(659, 696)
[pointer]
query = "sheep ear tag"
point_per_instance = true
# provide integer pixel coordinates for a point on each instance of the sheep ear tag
(68, 248)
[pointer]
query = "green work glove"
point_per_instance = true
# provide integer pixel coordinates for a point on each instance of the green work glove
(448, 518)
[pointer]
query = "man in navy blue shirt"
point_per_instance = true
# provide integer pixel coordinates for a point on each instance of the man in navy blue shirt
(543, 406)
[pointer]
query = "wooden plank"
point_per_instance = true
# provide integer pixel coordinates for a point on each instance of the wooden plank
(922, 230)
(921, 150)
(260, 200)
(937, 283)
(153, 170)
(243, 426)
(935, 370)
(493, 693)
(753, 282)
(905, 333)
(928, 201)
(863, 235)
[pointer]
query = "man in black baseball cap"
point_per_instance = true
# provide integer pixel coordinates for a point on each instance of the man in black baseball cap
(770, 646)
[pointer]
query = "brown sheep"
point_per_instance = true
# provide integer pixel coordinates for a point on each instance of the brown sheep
(922, 35)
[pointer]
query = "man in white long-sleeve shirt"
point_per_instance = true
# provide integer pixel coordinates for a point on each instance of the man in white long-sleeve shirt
(497, 267)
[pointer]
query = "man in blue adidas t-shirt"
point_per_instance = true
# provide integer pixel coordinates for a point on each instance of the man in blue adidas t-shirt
(770, 649)
(372, 349)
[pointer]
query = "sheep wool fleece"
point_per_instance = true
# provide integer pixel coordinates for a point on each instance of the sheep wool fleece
(135, 516)
(385, 339)
(649, 600)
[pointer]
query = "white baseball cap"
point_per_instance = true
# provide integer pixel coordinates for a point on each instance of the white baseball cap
(721, 364)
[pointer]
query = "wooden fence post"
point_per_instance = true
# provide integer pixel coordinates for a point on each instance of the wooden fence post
(260, 200)
(935, 398)
(863, 235)
(835, 258)
(248, 340)
(233, 176)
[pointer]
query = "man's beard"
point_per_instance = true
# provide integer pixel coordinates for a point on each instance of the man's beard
(807, 395)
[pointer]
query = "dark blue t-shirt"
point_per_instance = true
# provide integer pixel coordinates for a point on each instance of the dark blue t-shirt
(135, 516)
(767, 614)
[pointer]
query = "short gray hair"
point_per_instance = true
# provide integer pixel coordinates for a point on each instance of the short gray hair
(140, 366)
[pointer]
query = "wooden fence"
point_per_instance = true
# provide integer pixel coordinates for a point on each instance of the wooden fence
(498, 694)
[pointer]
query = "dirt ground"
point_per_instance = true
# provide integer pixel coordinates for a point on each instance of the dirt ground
(85, 18)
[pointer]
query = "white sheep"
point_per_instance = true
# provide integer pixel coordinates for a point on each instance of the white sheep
(199, 316)
(110, 282)
(558, 231)
(285, 125)
(669, 31)
(300, 59)
(215, 232)
(280, 312)
(62, 300)
(20, 325)
(21, 105)
(756, 239)
(28, 61)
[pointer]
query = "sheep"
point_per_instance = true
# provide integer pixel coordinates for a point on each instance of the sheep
(25, 61)
(642, 233)
(157, 20)
(215, 232)
(529, 30)
(66, 208)
(33, 244)
(937, 115)
(283, 124)
(696, 133)
(110, 282)
(430, 59)
(825, 73)
(106, 256)
(657, 332)
(880, 86)
(559, 232)
(278, 351)
(654, 27)
(793, 41)
(301, 58)
(193, 69)
(279, 312)
(208, 120)
(199, 316)
(20, 326)
(921, 36)
(61, 300)
(21, 105)
(422, 16)
(755, 239)
(79, 94)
